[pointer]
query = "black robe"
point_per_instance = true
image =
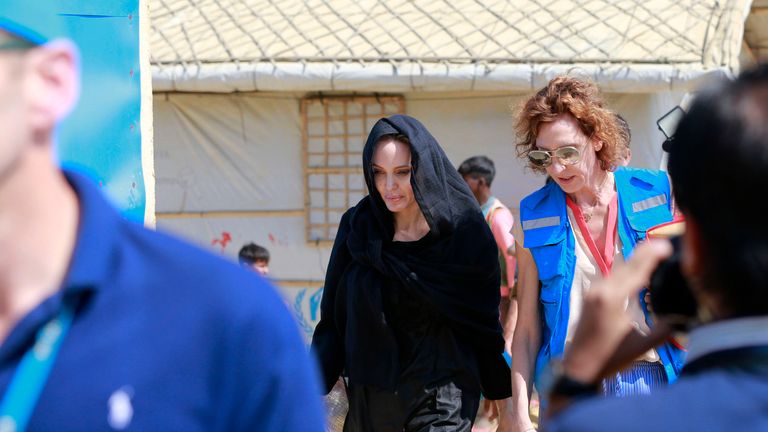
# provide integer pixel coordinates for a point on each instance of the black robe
(456, 277)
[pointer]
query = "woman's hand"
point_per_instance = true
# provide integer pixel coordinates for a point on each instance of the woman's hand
(525, 344)
(605, 330)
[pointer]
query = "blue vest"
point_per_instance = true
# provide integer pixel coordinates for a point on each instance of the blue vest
(644, 201)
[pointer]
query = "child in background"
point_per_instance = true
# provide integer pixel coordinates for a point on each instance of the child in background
(255, 258)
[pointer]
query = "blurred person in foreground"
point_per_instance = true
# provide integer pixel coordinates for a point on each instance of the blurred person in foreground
(410, 308)
(720, 150)
(590, 216)
(104, 324)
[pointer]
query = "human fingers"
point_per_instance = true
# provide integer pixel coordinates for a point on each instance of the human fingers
(604, 325)
(605, 302)
(629, 277)
(635, 344)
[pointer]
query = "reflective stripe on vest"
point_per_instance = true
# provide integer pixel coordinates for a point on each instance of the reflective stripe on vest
(541, 223)
(649, 203)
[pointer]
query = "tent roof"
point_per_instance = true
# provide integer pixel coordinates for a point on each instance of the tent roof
(756, 33)
(228, 45)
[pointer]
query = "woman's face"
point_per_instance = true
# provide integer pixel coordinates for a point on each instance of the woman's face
(565, 131)
(392, 175)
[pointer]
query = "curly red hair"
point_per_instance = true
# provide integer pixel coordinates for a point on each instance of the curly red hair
(582, 100)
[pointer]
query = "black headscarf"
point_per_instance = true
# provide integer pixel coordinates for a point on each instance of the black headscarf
(457, 275)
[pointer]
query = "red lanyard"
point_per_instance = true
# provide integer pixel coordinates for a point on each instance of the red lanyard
(603, 258)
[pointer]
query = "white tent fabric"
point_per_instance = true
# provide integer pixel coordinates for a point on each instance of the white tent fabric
(231, 153)
(439, 45)
(235, 154)
(229, 168)
(409, 77)
(755, 48)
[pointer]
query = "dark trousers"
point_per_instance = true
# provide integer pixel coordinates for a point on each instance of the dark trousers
(442, 408)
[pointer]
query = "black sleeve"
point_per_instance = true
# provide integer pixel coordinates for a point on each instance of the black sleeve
(327, 341)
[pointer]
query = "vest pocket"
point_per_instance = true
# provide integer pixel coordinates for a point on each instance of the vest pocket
(551, 266)
(641, 221)
(548, 246)
(550, 261)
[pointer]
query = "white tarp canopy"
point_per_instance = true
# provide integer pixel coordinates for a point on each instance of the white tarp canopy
(441, 45)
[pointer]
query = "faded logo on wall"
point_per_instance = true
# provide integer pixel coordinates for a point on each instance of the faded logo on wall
(305, 305)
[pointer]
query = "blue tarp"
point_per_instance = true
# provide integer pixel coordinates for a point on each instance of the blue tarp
(102, 137)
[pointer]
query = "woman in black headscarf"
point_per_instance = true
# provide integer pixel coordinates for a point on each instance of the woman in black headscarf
(410, 304)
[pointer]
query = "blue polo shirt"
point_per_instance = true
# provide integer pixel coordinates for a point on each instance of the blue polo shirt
(166, 337)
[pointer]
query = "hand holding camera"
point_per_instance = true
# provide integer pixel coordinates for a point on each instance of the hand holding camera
(606, 339)
(671, 299)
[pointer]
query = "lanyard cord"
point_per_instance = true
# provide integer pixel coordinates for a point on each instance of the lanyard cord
(27, 383)
(604, 257)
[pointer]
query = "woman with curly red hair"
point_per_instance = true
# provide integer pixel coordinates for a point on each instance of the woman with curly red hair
(592, 214)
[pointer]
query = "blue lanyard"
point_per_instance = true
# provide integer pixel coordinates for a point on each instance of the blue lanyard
(32, 373)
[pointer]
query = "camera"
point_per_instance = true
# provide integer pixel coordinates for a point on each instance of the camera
(671, 297)
(667, 124)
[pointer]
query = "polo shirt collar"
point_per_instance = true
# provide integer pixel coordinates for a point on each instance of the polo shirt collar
(94, 255)
(727, 335)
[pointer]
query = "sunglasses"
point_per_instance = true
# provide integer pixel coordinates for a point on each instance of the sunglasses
(15, 45)
(568, 155)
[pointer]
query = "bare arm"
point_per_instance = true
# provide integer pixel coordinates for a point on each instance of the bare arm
(509, 323)
(501, 227)
(525, 345)
(503, 220)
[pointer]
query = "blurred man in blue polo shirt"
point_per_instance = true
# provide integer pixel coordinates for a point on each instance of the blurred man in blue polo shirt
(106, 325)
